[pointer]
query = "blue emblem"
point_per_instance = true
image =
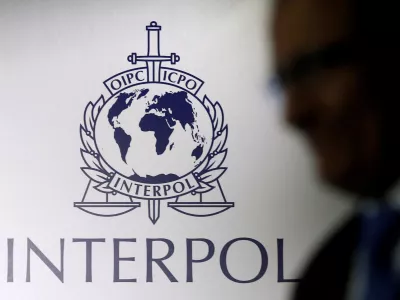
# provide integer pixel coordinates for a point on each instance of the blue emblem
(154, 140)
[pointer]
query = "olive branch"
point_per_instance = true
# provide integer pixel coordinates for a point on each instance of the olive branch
(210, 169)
(206, 173)
(96, 168)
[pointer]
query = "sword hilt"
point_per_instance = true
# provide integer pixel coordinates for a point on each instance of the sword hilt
(133, 58)
(153, 58)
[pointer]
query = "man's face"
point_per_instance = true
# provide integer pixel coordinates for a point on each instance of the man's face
(329, 103)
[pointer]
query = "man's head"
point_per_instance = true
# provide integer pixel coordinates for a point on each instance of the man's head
(338, 62)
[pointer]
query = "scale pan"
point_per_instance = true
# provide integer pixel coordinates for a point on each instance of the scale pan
(107, 209)
(201, 209)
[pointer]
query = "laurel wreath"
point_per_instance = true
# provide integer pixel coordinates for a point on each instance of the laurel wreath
(208, 172)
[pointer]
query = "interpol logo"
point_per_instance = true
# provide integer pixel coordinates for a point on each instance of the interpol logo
(155, 140)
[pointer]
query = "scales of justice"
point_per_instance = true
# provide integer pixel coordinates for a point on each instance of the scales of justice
(208, 200)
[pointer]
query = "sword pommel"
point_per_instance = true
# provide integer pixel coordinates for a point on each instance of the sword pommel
(153, 26)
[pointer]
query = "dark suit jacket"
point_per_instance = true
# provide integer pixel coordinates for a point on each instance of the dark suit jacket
(328, 273)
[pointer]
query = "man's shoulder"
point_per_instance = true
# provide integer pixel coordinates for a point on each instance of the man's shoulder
(326, 275)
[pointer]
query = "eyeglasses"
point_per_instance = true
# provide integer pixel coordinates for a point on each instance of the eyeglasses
(311, 64)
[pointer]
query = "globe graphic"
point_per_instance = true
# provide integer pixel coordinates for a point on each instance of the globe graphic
(153, 133)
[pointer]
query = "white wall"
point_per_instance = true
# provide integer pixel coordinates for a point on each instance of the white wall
(54, 56)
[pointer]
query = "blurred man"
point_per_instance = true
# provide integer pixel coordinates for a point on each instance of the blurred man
(337, 62)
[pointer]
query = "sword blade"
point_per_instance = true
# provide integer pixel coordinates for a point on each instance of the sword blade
(154, 210)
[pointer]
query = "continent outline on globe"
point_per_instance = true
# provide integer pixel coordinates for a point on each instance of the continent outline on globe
(143, 90)
(176, 110)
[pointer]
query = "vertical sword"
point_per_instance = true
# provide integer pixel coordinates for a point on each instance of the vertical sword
(153, 61)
